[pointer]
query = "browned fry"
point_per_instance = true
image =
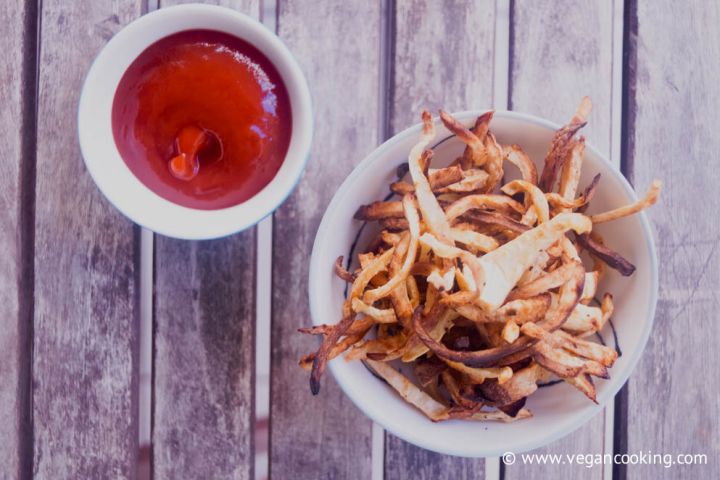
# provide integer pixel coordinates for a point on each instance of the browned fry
(362, 280)
(500, 203)
(321, 357)
(432, 213)
(473, 180)
(411, 215)
(561, 144)
(399, 295)
(560, 339)
(341, 272)
(495, 218)
(375, 347)
(479, 358)
(437, 323)
(522, 384)
(394, 224)
(473, 241)
(390, 238)
(533, 194)
(647, 201)
(548, 281)
(612, 258)
(454, 390)
(475, 148)
(565, 365)
(570, 177)
(584, 383)
(583, 319)
(515, 155)
(438, 179)
(494, 164)
(556, 200)
(524, 310)
(380, 210)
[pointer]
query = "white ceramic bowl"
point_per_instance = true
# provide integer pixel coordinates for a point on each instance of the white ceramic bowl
(115, 179)
(559, 409)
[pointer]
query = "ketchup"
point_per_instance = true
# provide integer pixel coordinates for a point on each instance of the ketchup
(203, 119)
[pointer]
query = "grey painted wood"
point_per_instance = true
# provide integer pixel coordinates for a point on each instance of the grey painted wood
(560, 53)
(16, 94)
(673, 402)
(337, 45)
(444, 58)
(204, 355)
(85, 351)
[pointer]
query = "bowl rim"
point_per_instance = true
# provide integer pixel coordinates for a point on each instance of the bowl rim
(163, 216)
(369, 409)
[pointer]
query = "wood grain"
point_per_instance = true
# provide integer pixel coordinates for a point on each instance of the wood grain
(560, 53)
(337, 46)
(443, 58)
(17, 94)
(85, 355)
(203, 409)
(673, 402)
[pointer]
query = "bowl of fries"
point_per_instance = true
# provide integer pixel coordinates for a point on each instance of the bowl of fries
(482, 283)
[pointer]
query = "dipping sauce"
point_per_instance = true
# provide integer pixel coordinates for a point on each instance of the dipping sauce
(203, 119)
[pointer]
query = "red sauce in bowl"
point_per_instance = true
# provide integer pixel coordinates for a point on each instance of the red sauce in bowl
(203, 119)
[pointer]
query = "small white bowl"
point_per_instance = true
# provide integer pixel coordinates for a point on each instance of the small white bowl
(122, 187)
(557, 410)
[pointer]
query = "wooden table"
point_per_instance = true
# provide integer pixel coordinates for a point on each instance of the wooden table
(87, 298)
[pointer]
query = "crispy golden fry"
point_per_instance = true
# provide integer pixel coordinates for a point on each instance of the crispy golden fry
(561, 145)
(515, 155)
(341, 272)
(380, 210)
(548, 281)
(473, 180)
(534, 194)
(500, 203)
(379, 315)
(584, 383)
(524, 310)
(564, 364)
(647, 201)
(438, 180)
(583, 319)
(570, 177)
(483, 294)
(510, 331)
(590, 287)
(432, 213)
(321, 358)
(522, 384)
(411, 215)
(559, 339)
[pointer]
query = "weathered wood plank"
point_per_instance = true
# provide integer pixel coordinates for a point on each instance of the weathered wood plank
(337, 45)
(444, 58)
(675, 109)
(560, 53)
(85, 357)
(17, 93)
(203, 412)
